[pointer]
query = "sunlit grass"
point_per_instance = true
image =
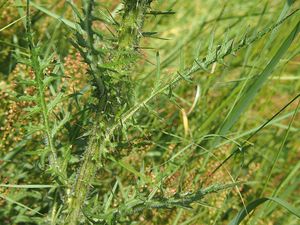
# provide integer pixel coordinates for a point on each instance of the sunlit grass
(149, 112)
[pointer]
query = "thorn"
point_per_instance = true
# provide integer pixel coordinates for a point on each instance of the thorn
(155, 13)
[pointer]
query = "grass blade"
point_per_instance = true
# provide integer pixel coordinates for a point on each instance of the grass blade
(19, 204)
(29, 186)
(55, 16)
(253, 205)
(254, 88)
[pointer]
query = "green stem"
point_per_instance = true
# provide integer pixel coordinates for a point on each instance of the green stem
(41, 95)
(133, 20)
(38, 72)
(128, 38)
(84, 178)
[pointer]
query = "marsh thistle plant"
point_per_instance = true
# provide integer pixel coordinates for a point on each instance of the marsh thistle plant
(149, 112)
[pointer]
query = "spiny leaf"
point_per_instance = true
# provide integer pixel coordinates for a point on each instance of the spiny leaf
(155, 13)
(75, 10)
(34, 128)
(61, 123)
(80, 40)
(28, 98)
(58, 98)
(131, 169)
(48, 80)
(32, 110)
(148, 34)
(28, 82)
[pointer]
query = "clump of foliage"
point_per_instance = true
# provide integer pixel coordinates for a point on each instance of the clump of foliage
(149, 112)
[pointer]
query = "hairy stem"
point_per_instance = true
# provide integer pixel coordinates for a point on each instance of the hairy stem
(128, 38)
(84, 178)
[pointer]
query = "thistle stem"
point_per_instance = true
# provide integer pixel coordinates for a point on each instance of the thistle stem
(128, 38)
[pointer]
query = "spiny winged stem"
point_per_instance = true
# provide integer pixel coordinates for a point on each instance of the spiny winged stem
(39, 76)
(217, 55)
(112, 90)
(182, 200)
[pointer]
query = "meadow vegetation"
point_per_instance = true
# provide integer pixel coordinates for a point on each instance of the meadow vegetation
(149, 112)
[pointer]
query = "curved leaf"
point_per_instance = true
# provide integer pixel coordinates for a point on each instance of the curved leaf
(252, 90)
(245, 211)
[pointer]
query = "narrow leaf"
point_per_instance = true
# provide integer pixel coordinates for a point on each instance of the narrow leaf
(58, 98)
(61, 123)
(254, 88)
(253, 205)
(55, 16)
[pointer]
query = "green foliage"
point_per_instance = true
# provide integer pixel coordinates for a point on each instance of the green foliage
(242, 214)
(149, 112)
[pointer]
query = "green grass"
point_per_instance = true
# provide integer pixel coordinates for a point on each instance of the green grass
(149, 112)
